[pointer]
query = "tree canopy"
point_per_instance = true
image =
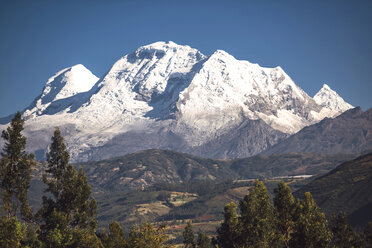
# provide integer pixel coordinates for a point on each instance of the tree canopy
(15, 170)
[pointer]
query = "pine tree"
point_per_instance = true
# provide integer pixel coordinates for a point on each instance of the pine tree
(58, 164)
(285, 205)
(203, 241)
(343, 234)
(15, 170)
(69, 207)
(228, 232)
(147, 236)
(258, 219)
(311, 228)
(188, 236)
(115, 238)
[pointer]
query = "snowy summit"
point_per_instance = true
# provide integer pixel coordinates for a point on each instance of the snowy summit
(64, 84)
(178, 97)
(328, 98)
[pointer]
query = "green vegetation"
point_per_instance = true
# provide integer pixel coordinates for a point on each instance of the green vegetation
(203, 241)
(343, 234)
(310, 227)
(346, 188)
(66, 217)
(257, 218)
(227, 233)
(267, 216)
(285, 205)
(15, 170)
(189, 240)
(284, 224)
(188, 236)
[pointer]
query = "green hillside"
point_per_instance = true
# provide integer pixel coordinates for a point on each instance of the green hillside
(347, 188)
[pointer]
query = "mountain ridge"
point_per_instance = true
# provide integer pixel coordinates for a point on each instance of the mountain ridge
(346, 188)
(149, 167)
(350, 132)
(165, 90)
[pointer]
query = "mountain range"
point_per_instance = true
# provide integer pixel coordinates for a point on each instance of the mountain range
(171, 96)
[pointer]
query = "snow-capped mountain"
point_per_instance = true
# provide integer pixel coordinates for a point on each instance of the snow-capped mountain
(165, 95)
(328, 98)
(64, 84)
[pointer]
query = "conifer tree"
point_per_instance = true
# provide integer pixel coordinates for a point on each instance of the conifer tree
(15, 170)
(343, 234)
(311, 228)
(188, 236)
(227, 233)
(115, 238)
(285, 205)
(258, 222)
(147, 236)
(203, 241)
(69, 208)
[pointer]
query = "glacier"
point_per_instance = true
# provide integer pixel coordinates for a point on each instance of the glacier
(170, 96)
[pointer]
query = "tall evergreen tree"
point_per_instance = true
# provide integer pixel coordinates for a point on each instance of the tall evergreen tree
(343, 234)
(258, 219)
(69, 208)
(285, 205)
(15, 170)
(115, 238)
(227, 233)
(203, 241)
(311, 228)
(188, 236)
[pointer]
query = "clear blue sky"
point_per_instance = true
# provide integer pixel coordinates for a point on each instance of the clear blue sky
(315, 42)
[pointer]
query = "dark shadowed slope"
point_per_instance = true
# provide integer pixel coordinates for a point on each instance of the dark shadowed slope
(350, 132)
(248, 139)
(347, 188)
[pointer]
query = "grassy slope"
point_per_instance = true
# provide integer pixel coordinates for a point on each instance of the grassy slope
(347, 188)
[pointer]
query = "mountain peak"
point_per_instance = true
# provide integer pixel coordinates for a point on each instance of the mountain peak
(157, 51)
(329, 98)
(221, 53)
(68, 82)
(162, 46)
(64, 84)
(325, 87)
(169, 89)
